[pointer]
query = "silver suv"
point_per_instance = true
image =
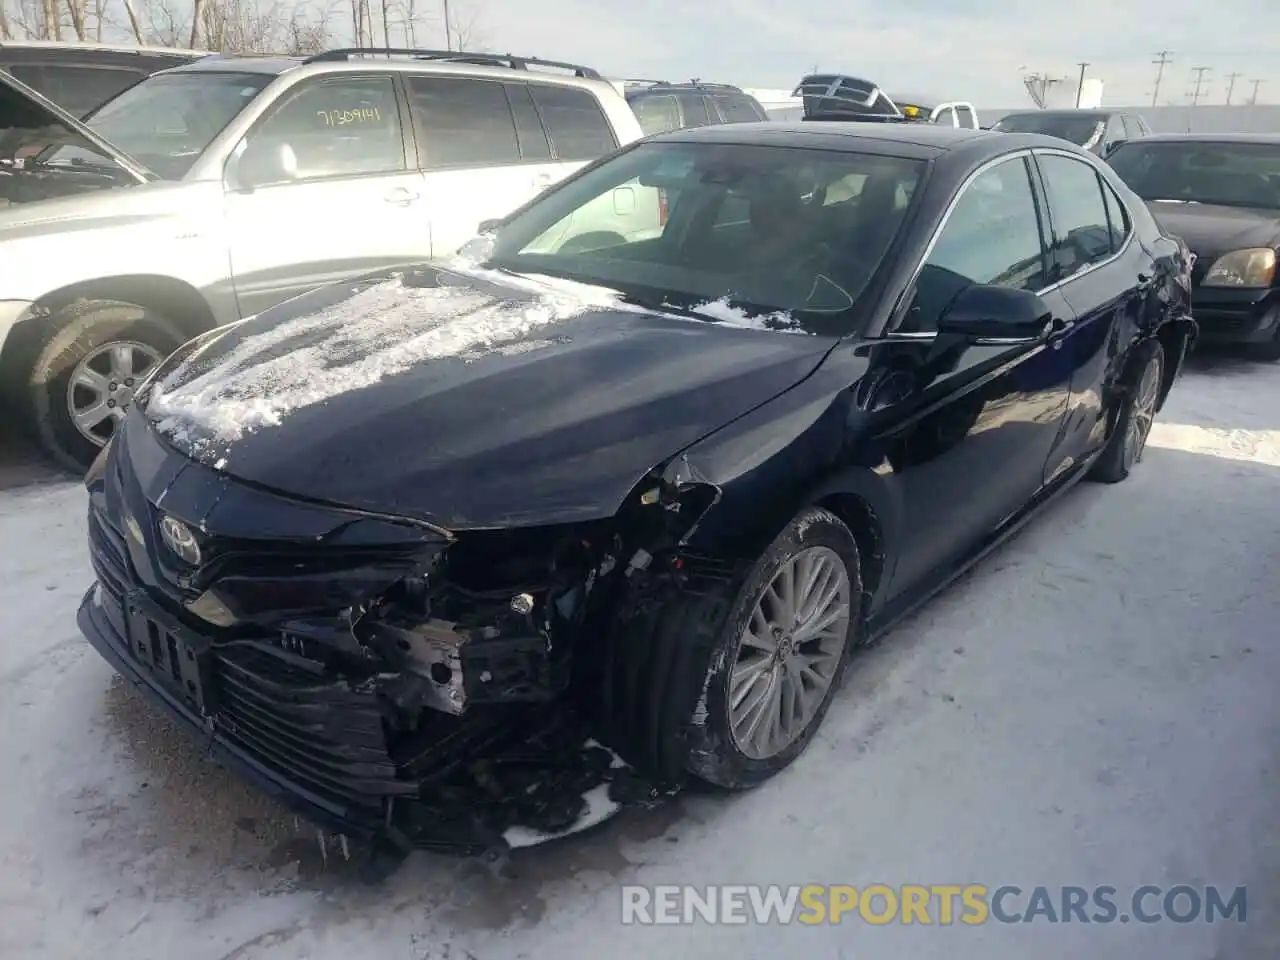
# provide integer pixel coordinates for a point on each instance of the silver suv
(212, 191)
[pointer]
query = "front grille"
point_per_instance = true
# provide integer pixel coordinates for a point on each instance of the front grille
(108, 555)
(322, 733)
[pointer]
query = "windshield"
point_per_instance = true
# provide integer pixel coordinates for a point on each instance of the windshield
(1230, 174)
(166, 121)
(770, 232)
(1082, 131)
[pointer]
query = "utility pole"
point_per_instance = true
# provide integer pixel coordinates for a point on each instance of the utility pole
(1080, 86)
(448, 32)
(1163, 59)
(1231, 85)
(1256, 84)
(1199, 72)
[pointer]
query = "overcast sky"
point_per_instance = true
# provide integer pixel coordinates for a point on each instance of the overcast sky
(972, 50)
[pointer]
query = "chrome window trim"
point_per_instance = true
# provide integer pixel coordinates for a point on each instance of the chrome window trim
(1022, 154)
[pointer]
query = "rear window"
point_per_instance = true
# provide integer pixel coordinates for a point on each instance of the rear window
(76, 88)
(1082, 131)
(736, 108)
(464, 122)
(694, 107)
(575, 123)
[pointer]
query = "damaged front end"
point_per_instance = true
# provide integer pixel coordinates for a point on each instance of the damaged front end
(392, 680)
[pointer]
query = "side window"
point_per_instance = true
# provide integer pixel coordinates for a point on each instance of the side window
(334, 128)
(735, 108)
(1081, 236)
(966, 118)
(946, 117)
(1132, 128)
(463, 122)
(656, 114)
(1117, 217)
(530, 134)
(575, 123)
(77, 89)
(694, 108)
(992, 236)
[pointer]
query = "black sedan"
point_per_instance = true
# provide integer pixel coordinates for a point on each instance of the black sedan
(641, 470)
(1221, 194)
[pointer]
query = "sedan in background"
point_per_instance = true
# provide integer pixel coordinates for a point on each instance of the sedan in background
(377, 543)
(1098, 131)
(1221, 194)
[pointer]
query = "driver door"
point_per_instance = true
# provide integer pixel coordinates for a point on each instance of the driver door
(323, 189)
(986, 415)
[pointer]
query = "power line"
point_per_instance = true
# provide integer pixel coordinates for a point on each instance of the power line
(1080, 86)
(1231, 85)
(1199, 72)
(1160, 64)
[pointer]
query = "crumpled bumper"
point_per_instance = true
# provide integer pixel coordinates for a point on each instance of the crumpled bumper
(321, 811)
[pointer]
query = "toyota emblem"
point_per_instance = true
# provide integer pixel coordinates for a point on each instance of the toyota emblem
(178, 537)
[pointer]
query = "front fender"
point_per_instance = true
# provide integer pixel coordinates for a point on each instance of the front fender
(796, 450)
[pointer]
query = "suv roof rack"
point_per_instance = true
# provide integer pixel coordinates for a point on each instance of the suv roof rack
(695, 82)
(838, 96)
(453, 56)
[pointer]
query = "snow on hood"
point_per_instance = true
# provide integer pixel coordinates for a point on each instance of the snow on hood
(379, 332)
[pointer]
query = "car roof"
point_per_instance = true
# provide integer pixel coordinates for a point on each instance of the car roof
(924, 140)
(78, 46)
(1273, 138)
(239, 64)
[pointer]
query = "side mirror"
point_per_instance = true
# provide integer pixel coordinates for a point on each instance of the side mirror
(1113, 146)
(263, 162)
(982, 312)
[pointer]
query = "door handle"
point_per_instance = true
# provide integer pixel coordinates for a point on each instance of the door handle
(401, 196)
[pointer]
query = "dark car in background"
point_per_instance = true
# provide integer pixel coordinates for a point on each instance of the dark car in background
(79, 77)
(1221, 194)
(372, 543)
(1098, 131)
(661, 106)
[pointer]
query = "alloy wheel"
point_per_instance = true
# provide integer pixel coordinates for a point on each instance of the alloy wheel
(788, 655)
(102, 385)
(1142, 414)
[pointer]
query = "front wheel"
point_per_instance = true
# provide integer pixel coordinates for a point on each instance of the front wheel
(780, 654)
(1135, 417)
(82, 381)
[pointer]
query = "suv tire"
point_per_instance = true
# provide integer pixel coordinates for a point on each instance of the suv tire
(79, 348)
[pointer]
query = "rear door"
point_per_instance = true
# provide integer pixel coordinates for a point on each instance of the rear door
(1098, 269)
(352, 202)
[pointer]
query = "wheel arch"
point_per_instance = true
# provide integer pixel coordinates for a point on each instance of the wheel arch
(178, 301)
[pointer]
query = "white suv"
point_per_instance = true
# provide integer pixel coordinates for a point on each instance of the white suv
(212, 191)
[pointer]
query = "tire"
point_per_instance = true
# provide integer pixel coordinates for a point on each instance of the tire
(669, 677)
(78, 335)
(1138, 404)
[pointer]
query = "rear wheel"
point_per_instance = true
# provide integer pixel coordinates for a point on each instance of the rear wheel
(1135, 417)
(82, 381)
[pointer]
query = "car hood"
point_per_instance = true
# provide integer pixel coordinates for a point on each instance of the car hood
(29, 121)
(1211, 230)
(465, 400)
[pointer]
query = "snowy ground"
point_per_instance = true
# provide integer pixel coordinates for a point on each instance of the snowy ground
(1096, 704)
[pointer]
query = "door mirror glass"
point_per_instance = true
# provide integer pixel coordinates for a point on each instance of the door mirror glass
(264, 162)
(986, 312)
